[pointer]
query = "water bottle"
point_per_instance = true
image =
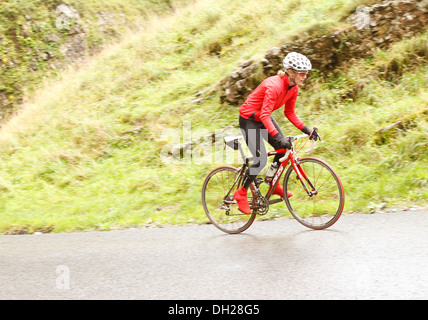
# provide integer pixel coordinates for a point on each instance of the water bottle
(272, 170)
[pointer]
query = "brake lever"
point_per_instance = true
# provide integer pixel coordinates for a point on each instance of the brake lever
(314, 142)
(312, 147)
(315, 130)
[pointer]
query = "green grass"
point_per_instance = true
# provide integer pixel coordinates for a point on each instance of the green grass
(33, 34)
(84, 151)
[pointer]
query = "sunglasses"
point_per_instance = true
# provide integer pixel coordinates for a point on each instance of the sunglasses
(301, 73)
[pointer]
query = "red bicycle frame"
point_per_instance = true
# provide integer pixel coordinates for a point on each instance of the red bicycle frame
(289, 156)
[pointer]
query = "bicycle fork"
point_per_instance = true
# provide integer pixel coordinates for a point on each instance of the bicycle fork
(303, 177)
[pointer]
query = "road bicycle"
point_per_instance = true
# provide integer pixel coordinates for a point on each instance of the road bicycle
(317, 199)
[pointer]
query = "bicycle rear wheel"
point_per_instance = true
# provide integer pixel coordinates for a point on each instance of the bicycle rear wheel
(324, 207)
(219, 204)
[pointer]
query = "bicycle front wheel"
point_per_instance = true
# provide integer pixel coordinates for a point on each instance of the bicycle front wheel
(219, 204)
(323, 207)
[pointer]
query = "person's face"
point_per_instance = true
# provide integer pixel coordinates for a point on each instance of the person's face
(299, 77)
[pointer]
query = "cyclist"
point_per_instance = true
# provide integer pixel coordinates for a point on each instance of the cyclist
(256, 122)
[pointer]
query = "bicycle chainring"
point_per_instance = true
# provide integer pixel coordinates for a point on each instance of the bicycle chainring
(262, 206)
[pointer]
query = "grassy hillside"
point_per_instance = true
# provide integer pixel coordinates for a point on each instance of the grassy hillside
(84, 151)
(38, 38)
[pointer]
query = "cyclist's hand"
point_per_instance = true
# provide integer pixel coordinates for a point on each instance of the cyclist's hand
(313, 134)
(281, 142)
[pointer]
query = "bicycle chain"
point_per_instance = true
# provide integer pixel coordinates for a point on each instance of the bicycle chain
(262, 205)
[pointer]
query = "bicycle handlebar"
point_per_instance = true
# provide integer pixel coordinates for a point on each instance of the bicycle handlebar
(301, 136)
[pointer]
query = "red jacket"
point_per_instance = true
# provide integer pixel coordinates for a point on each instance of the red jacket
(269, 96)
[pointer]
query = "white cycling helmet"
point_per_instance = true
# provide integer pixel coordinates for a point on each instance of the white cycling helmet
(297, 61)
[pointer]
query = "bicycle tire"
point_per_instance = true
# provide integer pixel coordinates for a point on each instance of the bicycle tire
(214, 189)
(323, 209)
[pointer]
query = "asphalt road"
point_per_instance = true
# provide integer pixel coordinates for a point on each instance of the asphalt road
(377, 256)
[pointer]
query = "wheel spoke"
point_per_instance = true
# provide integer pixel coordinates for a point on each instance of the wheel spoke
(319, 210)
(215, 188)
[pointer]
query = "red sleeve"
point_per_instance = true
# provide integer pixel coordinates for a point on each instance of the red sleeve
(267, 108)
(290, 113)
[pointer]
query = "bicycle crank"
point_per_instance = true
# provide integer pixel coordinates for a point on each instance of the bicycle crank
(262, 206)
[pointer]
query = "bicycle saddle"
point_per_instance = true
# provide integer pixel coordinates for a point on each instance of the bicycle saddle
(233, 142)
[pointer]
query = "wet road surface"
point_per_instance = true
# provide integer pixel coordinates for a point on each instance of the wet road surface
(371, 256)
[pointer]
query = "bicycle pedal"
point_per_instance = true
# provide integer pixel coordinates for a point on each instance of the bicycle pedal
(230, 201)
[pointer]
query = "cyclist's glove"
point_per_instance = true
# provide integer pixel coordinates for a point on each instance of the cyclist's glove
(313, 134)
(280, 142)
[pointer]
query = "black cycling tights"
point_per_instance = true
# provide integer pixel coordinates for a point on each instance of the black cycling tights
(254, 133)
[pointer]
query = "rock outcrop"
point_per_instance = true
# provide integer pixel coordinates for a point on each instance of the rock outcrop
(373, 27)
